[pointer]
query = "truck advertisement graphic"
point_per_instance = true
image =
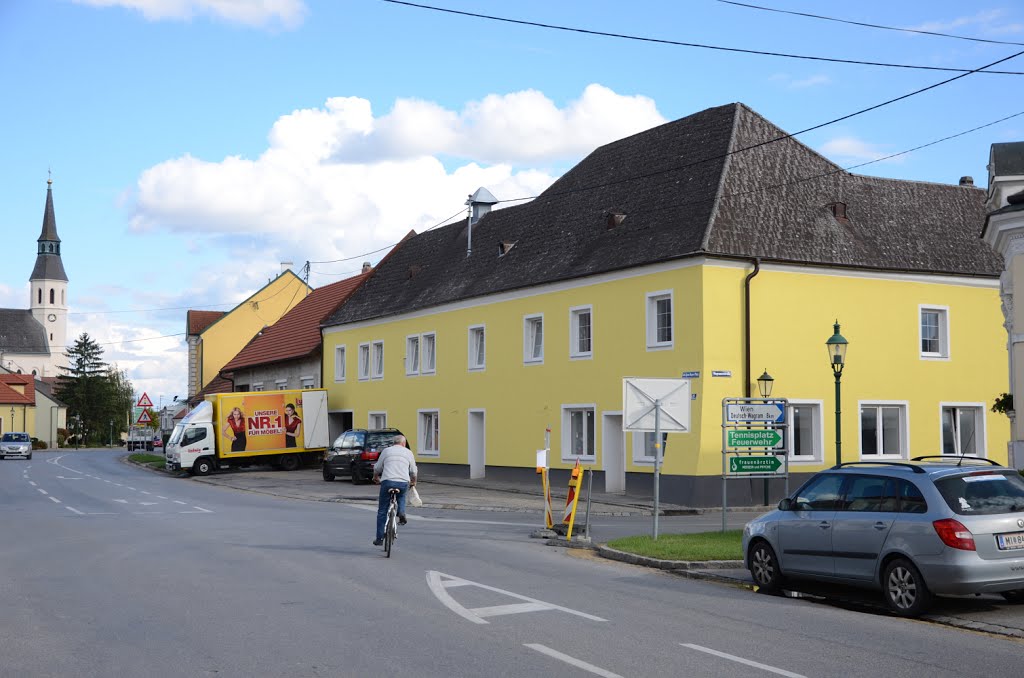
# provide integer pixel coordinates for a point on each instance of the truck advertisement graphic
(254, 422)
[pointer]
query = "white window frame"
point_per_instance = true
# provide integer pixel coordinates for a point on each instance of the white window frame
(339, 364)
(412, 355)
(479, 365)
(364, 361)
(528, 323)
(431, 338)
(817, 432)
(370, 424)
(904, 407)
(943, 352)
(421, 447)
(640, 447)
(651, 319)
(280, 384)
(377, 366)
(567, 411)
(574, 332)
(257, 386)
(981, 432)
(307, 382)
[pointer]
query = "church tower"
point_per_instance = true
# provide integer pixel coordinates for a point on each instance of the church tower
(49, 287)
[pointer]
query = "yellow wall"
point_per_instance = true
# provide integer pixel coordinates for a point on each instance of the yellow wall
(792, 317)
(24, 418)
(221, 341)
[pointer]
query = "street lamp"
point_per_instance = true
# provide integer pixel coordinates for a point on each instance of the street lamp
(111, 432)
(836, 346)
(12, 417)
(764, 384)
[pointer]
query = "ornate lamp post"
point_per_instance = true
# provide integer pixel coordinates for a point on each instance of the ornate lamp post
(12, 417)
(836, 346)
(764, 384)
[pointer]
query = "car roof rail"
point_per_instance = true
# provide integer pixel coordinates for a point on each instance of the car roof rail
(914, 467)
(961, 458)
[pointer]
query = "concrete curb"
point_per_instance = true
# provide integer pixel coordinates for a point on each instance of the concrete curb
(671, 565)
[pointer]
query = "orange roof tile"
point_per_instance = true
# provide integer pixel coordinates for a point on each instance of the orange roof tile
(8, 396)
(197, 321)
(297, 333)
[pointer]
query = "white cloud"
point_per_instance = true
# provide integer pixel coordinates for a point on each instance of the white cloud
(789, 82)
(845, 150)
(985, 19)
(255, 13)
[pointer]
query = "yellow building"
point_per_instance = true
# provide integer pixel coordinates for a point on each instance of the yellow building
(214, 337)
(699, 247)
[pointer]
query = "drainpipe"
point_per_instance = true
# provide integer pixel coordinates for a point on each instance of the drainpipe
(746, 348)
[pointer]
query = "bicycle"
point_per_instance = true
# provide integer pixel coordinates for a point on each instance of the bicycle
(391, 526)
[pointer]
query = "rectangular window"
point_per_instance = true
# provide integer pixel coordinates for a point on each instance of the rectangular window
(281, 384)
(428, 361)
(364, 361)
(577, 432)
(339, 363)
(477, 352)
(883, 430)
(805, 432)
(307, 382)
(934, 326)
(412, 355)
(429, 433)
(643, 447)
(580, 335)
(378, 420)
(377, 367)
(257, 386)
(963, 430)
(659, 320)
(533, 339)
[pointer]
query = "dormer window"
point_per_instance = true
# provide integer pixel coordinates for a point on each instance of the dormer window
(614, 219)
(839, 210)
(504, 247)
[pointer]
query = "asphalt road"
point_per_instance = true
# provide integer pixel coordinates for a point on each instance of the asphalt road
(110, 570)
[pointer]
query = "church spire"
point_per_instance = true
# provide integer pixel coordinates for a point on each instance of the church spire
(48, 262)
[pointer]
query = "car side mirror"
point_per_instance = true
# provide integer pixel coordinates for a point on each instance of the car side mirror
(786, 504)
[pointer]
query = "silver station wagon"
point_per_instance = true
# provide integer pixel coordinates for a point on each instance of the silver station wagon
(930, 526)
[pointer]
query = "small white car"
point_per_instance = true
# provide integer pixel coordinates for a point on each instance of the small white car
(15, 445)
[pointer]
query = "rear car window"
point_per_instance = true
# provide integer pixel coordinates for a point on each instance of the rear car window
(984, 494)
(378, 441)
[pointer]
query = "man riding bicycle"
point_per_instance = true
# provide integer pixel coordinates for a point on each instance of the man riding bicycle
(395, 469)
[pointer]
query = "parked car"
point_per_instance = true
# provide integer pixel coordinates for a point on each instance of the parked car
(930, 526)
(14, 444)
(355, 452)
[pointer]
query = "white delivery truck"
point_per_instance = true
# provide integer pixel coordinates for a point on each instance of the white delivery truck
(283, 428)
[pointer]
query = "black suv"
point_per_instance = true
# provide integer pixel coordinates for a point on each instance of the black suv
(355, 452)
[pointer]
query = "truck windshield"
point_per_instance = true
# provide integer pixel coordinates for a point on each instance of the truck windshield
(175, 434)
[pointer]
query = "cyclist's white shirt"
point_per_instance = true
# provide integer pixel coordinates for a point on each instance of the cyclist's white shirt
(395, 463)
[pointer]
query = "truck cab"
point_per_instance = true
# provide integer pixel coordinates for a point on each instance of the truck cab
(192, 443)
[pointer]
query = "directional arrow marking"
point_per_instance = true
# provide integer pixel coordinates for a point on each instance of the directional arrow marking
(439, 582)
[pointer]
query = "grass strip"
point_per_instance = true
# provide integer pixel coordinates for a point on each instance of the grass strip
(696, 546)
(154, 460)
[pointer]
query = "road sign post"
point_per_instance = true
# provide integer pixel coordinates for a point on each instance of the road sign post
(754, 442)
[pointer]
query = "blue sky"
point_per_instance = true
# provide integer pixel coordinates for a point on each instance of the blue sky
(196, 144)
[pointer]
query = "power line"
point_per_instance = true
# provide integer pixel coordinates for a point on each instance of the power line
(678, 43)
(867, 25)
(360, 256)
(769, 141)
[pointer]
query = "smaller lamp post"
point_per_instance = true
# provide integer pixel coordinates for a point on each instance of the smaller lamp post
(764, 384)
(836, 346)
(12, 417)
(111, 432)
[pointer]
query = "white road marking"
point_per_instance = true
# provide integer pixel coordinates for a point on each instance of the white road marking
(148, 503)
(32, 483)
(130, 488)
(449, 520)
(578, 663)
(74, 510)
(39, 489)
(101, 513)
(741, 660)
(199, 508)
(63, 478)
(439, 581)
(144, 492)
(121, 501)
(159, 497)
(178, 502)
(55, 500)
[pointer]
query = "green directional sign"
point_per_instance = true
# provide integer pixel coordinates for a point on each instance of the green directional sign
(753, 438)
(760, 464)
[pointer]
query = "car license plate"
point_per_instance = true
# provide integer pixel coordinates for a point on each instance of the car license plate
(1011, 541)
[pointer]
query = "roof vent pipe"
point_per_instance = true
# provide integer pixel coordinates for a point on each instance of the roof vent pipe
(479, 204)
(366, 266)
(966, 181)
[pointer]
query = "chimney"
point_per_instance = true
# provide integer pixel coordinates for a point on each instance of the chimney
(479, 205)
(285, 265)
(366, 266)
(966, 181)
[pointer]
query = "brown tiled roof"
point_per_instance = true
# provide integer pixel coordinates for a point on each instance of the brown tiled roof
(218, 384)
(297, 333)
(8, 396)
(197, 321)
(688, 188)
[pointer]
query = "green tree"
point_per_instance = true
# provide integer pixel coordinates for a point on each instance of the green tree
(94, 391)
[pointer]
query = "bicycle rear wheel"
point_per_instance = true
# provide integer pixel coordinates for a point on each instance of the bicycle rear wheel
(389, 528)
